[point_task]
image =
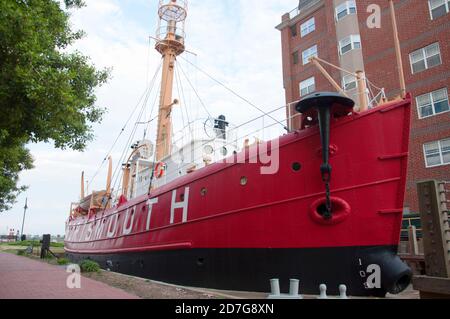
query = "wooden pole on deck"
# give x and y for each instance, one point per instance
(398, 52)
(82, 186)
(362, 91)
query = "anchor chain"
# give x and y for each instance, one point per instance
(324, 115)
(328, 106)
(326, 178)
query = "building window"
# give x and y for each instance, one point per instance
(349, 43)
(308, 86)
(294, 30)
(433, 103)
(309, 53)
(344, 9)
(438, 8)
(308, 27)
(437, 153)
(349, 82)
(295, 57)
(425, 58)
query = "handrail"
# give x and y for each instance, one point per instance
(301, 7)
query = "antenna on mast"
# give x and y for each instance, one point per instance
(169, 43)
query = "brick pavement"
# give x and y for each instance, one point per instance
(24, 278)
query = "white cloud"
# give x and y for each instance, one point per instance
(235, 41)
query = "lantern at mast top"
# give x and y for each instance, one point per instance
(170, 32)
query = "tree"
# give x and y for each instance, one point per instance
(47, 94)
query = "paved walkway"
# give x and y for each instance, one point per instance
(24, 278)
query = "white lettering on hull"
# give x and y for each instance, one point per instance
(89, 232)
(99, 229)
(127, 229)
(179, 205)
(95, 232)
(150, 204)
(112, 231)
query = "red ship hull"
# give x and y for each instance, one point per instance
(214, 229)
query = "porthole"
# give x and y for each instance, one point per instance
(208, 149)
(244, 180)
(203, 191)
(224, 151)
(296, 166)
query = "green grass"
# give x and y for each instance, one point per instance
(21, 253)
(63, 261)
(49, 257)
(89, 266)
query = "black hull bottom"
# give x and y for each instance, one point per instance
(252, 269)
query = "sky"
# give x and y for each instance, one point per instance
(235, 41)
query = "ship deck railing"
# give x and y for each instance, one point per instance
(262, 128)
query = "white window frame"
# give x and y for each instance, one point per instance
(307, 27)
(354, 38)
(433, 103)
(440, 154)
(346, 82)
(423, 50)
(306, 54)
(345, 6)
(446, 4)
(306, 84)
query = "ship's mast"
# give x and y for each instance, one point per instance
(170, 43)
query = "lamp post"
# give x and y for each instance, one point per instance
(24, 213)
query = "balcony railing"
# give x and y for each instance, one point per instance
(303, 5)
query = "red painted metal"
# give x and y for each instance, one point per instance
(272, 211)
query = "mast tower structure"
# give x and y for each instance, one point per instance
(170, 37)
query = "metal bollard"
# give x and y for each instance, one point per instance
(323, 292)
(294, 287)
(293, 290)
(275, 287)
(343, 292)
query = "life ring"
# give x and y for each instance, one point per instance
(160, 169)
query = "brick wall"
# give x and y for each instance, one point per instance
(416, 30)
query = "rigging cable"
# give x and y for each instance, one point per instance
(121, 132)
(116, 174)
(178, 78)
(235, 94)
(133, 132)
(179, 101)
(195, 91)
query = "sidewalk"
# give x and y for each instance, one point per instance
(24, 278)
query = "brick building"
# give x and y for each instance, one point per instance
(338, 31)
